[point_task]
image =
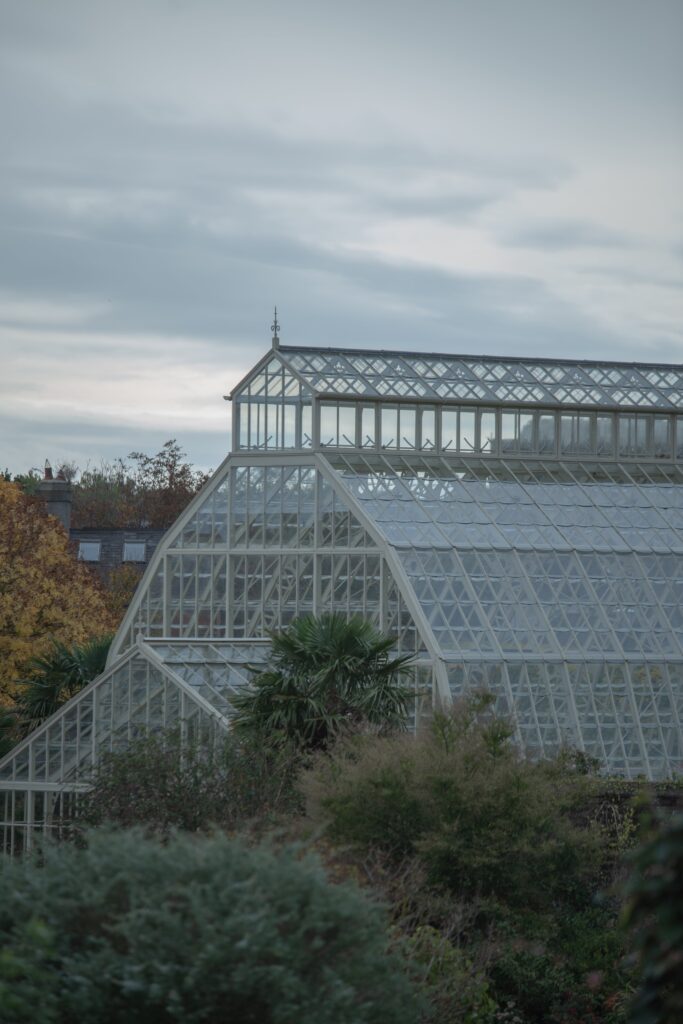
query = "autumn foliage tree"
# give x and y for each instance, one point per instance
(137, 492)
(45, 594)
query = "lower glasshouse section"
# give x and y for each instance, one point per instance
(147, 690)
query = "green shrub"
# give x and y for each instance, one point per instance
(199, 930)
(654, 913)
(481, 818)
(27, 991)
(160, 783)
(458, 992)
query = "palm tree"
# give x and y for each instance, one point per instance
(9, 730)
(57, 676)
(327, 675)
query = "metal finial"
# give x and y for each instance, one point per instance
(275, 327)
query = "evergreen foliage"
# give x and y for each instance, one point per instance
(192, 931)
(327, 675)
(654, 912)
(56, 676)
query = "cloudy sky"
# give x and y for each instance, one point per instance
(494, 176)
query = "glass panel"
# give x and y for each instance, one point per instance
(243, 423)
(526, 432)
(306, 426)
(428, 418)
(487, 430)
(389, 427)
(679, 437)
(509, 426)
(367, 427)
(449, 429)
(575, 434)
(605, 435)
(633, 438)
(328, 424)
(467, 437)
(347, 426)
(546, 434)
(289, 431)
(406, 435)
(662, 437)
(257, 412)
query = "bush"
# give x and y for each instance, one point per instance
(198, 930)
(481, 818)
(161, 784)
(458, 992)
(654, 912)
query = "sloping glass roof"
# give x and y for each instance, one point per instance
(138, 694)
(215, 670)
(523, 569)
(405, 375)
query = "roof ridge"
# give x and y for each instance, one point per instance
(329, 350)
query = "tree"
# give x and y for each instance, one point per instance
(327, 675)
(58, 675)
(147, 491)
(45, 593)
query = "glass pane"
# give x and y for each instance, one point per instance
(584, 446)
(546, 434)
(243, 424)
(605, 435)
(428, 428)
(389, 427)
(662, 437)
(508, 432)
(256, 424)
(487, 430)
(642, 442)
(347, 426)
(289, 431)
(328, 424)
(633, 434)
(526, 431)
(449, 429)
(467, 438)
(367, 430)
(306, 426)
(407, 428)
(273, 426)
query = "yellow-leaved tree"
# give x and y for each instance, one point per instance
(45, 593)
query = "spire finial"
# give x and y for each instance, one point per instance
(275, 327)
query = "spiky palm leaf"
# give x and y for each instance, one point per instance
(326, 675)
(58, 675)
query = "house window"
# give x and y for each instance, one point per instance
(134, 551)
(89, 550)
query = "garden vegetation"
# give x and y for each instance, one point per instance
(324, 865)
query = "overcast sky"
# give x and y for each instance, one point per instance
(494, 176)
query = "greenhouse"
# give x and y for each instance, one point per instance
(516, 525)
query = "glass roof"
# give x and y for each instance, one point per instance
(406, 375)
(215, 670)
(512, 568)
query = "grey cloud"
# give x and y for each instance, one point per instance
(559, 235)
